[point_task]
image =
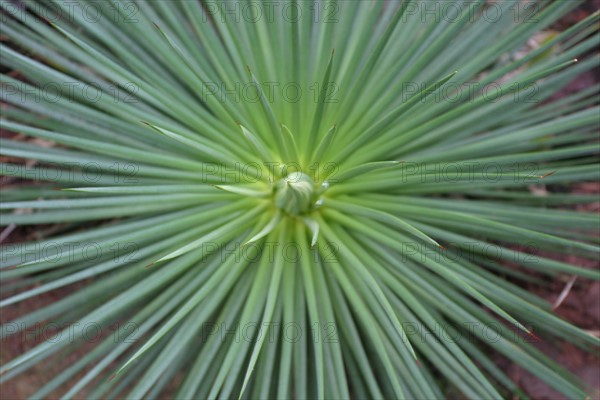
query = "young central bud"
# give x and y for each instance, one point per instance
(295, 194)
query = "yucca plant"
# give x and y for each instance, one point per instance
(328, 199)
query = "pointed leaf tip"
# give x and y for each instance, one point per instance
(219, 187)
(533, 335)
(548, 174)
(268, 228)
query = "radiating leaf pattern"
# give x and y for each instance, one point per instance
(295, 199)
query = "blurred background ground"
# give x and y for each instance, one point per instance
(581, 306)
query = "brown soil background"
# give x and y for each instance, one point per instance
(581, 306)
